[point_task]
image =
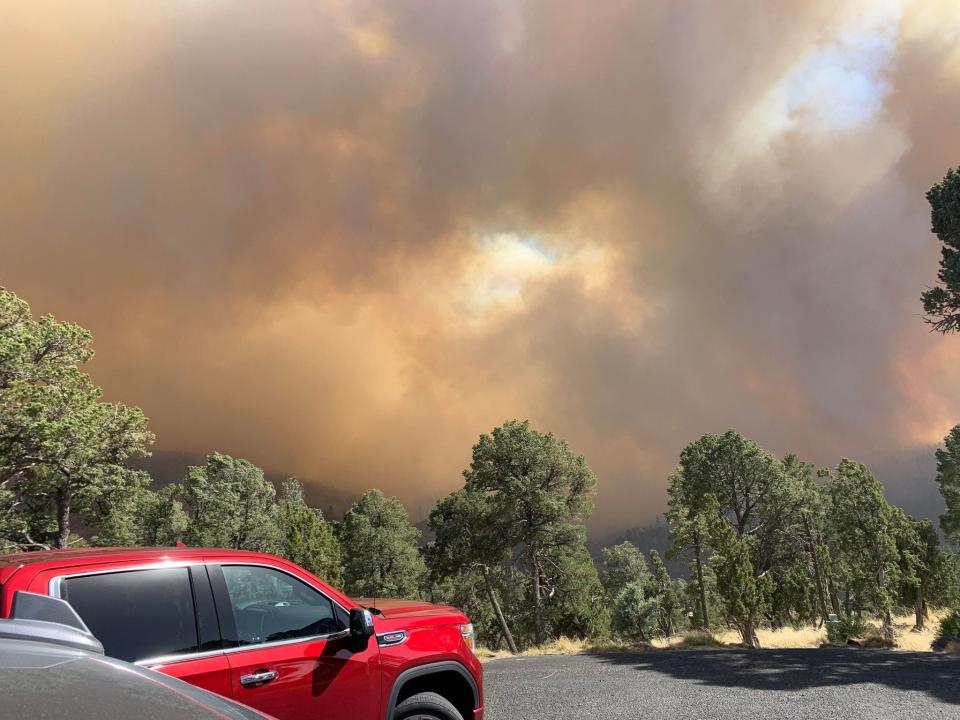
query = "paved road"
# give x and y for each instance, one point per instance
(834, 684)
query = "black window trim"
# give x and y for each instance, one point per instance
(222, 600)
(200, 576)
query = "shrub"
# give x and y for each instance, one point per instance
(634, 614)
(849, 627)
(698, 639)
(948, 632)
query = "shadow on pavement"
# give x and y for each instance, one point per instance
(786, 670)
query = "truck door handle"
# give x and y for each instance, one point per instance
(258, 678)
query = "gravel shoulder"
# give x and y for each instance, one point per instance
(721, 684)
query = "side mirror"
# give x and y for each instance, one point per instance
(361, 623)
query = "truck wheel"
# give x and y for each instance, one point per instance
(426, 706)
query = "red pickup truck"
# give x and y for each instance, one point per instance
(263, 631)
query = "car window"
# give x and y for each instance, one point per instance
(138, 614)
(271, 605)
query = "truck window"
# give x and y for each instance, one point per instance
(269, 605)
(138, 614)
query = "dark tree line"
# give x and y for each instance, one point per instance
(770, 541)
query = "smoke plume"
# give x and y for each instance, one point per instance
(343, 239)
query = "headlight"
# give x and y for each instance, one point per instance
(468, 638)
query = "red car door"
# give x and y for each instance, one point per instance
(293, 656)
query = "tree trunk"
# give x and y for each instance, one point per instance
(498, 612)
(704, 616)
(919, 607)
(834, 599)
(63, 516)
(817, 575)
(881, 579)
(539, 633)
(749, 633)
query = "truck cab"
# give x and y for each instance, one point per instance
(262, 631)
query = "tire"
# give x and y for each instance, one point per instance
(426, 706)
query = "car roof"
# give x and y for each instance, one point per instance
(80, 556)
(85, 686)
(33, 563)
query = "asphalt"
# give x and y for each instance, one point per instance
(834, 684)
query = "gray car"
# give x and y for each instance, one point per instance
(52, 667)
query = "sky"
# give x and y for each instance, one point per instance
(343, 239)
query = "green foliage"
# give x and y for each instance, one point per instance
(577, 606)
(521, 509)
(381, 557)
(843, 629)
(644, 604)
(802, 564)
(742, 476)
(745, 595)
(466, 535)
(942, 302)
(620, 565)
(306, 538)
(698, 639)
(468, 549)
(537, 492)
(669, 594)
(750, 491)
(949, 628)
(688, 534)
(948, 479)
(162, 518)
(62, 449)
(230, 505)
(864, 534)
(635, 614)
(691, 594)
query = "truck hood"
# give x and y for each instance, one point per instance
(394, 609)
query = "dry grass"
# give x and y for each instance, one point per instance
(908, 640)
(806, 637)
(563, 646)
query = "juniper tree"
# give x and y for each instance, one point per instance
(745, 594)
(864, 532)
(620, 565)
(230, 505)
(668, 593)
(381, 555)
(307, 539)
